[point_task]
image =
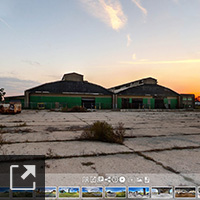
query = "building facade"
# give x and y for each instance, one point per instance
(72, 90)
(145, 93)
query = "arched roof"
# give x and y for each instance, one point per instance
(73, 87)
(149, 89)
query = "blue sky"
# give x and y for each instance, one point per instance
(92, 189)
(72, 189)
(123, 39)
(115, 189)
(139, 189)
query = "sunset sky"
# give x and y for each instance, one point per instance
(110, 42)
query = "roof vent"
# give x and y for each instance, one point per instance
(72, 77)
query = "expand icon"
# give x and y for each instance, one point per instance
(30, 169)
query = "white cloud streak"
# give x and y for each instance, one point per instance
(162, 62)
(138, 4)
(5, 23)
(108, 11)
(129, 40)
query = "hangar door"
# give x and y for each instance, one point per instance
(137, 103)
(159, 103)
(88, 103)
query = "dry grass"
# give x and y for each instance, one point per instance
(2, 141)
(74, 109)
(52, 129)
(102, 131)
(22, 125)
(2, 126)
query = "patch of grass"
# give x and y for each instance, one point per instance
(22, 125)
(102, 131)
(26, 130)
(87, 163)
(2, 141)
(74, 109)
(17, 121)
(2, 126)
(76, 128)
(52, 129)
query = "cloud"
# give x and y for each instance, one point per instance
(5, 23)
(30, 62)
(128, 40)
(108, 11)
(138, 4)
(141, 62)
(134, 56)
(15, 86)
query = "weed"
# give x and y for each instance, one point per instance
(1, 140)
(87, 163)
(74, 109)
(17, 121)
(26, 130)
(50, 153)
(52, 129)
(2, 126)
(22, 125)
(102, 131)
(47, 165)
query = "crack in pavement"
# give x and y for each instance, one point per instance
(168, 168)
(80, 119)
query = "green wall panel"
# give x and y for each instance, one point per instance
(103, 102)
(50, 101)
(145, 103)
(119, 103)
(152, 103)
(174, 103)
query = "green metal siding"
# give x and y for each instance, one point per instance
(50, 101)
(119, 103)
(103, 102)
(8, 100)
(145, 103)
(152, 103)
(174, 103)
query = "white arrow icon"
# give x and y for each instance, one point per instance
(30, 170)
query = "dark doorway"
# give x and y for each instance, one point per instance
(88, 103)
(159, 104)
(125, 103)
(137, 103)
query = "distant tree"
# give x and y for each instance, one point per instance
(197, 98)
(2, 94)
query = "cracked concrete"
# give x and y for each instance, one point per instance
(155, 142)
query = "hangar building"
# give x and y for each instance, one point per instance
(145, 93)
(72, 90)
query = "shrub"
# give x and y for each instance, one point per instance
(1, 140)
(74, 109)
(52, 129)
(2, 126)
(22, 125)
(102, 131)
